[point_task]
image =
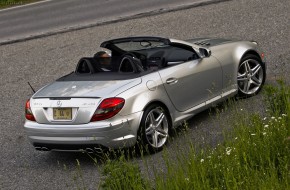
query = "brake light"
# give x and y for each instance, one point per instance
(28, 112)
(108, 108)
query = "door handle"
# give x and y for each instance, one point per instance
(171, 80)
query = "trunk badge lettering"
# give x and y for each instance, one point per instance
(89, 104)
(59, 103)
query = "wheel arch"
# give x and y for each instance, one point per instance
(255, 53)
(163, 105)
(244, 50)
(252, 52)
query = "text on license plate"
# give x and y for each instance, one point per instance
(62, 113)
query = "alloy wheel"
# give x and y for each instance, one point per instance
(156, 127)
(250, 76)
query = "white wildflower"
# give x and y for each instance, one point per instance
(228, 150)
(241, 109)
(186, 179)
(265, 118)
(264, 133)
(266, 126)
(236, 138)
(253, 134)
(272, 117)
(279, 117)
(284, 115)
(202, 160)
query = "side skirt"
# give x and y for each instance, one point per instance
(182, 116)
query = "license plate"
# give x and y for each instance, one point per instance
(62, 113)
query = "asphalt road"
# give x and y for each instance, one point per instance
(50, 16)
(41, 61)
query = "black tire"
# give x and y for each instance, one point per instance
(251, 76)
(160, 133)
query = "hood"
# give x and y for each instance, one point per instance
(208, 42)
(85, 88)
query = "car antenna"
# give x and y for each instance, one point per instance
(31, 87)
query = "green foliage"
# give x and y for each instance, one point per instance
(121, 174)
(11, 3)
(277, 98)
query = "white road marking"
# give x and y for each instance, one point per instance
(25, 5)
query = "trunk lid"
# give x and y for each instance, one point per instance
(83, 89)
(74, 102)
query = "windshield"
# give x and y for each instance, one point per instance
(133, 46)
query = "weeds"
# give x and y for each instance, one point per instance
(11, 3)
(277, 98)
(121, 174)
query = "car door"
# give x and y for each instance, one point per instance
(190, 83)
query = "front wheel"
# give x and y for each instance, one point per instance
(154, 128)
(251, 76)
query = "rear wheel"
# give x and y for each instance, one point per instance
(251, 76)
(154, 128)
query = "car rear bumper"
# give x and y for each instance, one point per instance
(122, 132)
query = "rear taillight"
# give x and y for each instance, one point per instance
(108, 108)
(28, 112)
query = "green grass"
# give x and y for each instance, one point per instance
(121, 174)
(254, 155)
(12, 3)
(256, 158)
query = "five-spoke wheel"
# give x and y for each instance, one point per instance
(155, 127)
(251, 76)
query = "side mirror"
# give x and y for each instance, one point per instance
(204, 52)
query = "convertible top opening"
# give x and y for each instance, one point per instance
(131, 58)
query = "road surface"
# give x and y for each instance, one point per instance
(51, 16)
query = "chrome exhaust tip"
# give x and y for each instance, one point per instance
(44, 149)
(38, 148)
(41, 148)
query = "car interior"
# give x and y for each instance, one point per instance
(139, 60)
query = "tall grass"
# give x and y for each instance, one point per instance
(123, 175)
(254, 156)
(11, 3)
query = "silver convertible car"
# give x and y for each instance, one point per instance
(147, 87)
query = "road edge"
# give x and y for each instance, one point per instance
(121, 19)
(24, 5)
